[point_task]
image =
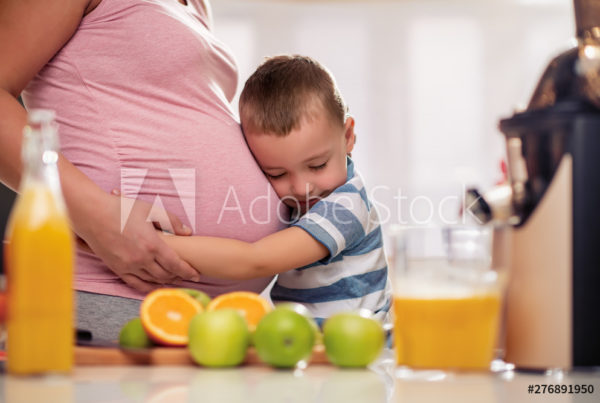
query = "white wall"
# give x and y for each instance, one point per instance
(426, 80)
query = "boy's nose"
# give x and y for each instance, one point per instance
(301, 188)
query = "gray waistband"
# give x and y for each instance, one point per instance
(104, 315)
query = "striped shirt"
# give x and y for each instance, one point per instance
(355, 273)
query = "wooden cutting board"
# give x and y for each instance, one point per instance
(89, 356)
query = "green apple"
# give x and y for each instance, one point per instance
(283, 338)
(199, 296)
(218, 338)
(133, 335)
(352, 339)
(302, 310)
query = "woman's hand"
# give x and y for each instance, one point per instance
(125, 238)
(31, 33)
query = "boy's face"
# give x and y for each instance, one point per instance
(307, 164)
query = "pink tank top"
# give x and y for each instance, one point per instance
(142, 93)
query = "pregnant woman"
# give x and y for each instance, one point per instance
(142, 92)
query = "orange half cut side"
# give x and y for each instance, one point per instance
(166, 314)
(251, 305)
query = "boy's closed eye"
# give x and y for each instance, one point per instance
(270, 176)
(316, 168)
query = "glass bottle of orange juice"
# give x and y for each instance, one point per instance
(39, 259)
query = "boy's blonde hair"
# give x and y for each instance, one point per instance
(286, 89)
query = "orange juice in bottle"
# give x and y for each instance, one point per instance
(39, 259)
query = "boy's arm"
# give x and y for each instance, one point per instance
(229, 258)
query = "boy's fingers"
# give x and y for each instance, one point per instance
(178, 227)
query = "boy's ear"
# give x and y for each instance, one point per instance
(349, 134)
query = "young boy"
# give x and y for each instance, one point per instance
(331, 258)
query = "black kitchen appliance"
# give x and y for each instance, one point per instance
(553, 200)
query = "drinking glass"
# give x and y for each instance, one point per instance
(448, 287)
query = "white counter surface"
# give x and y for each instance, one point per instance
(317, 383)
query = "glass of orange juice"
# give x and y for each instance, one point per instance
(448, 286)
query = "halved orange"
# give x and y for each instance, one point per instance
(166, 314)
(251, 305)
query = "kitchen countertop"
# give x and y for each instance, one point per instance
(382, 382)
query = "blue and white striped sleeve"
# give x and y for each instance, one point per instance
(339, 221)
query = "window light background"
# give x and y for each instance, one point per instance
(426, 80)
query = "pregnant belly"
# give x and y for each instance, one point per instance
(211, 182)
(202, 172)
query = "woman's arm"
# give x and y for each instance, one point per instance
(31, 33)
(229, 258)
